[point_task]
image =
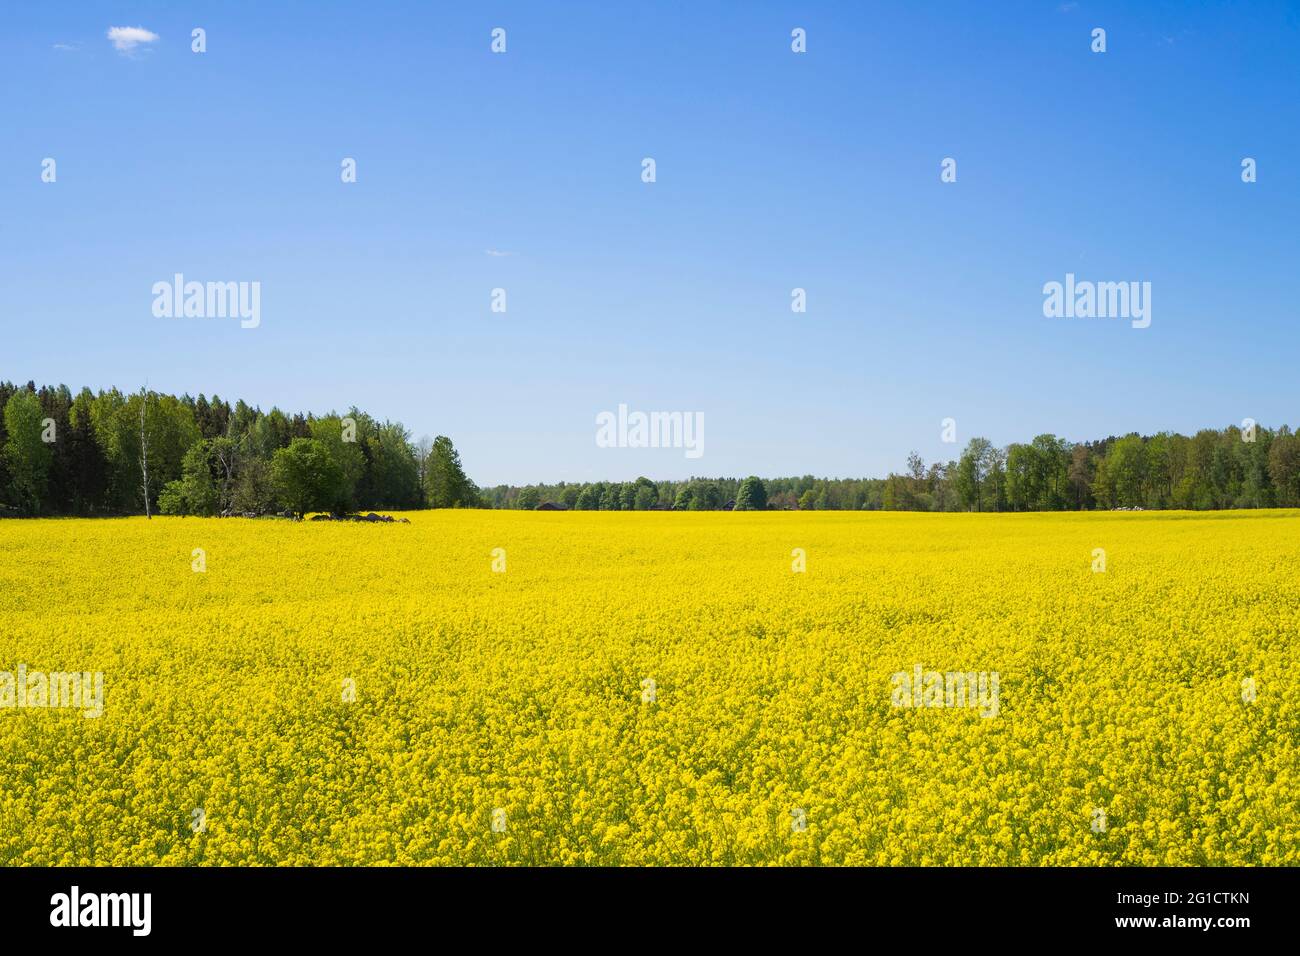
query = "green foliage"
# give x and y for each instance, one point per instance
(645, 494)
(445, 484)
(195, 492)
(86, 485)
(752, 495)
(612, 499)
(1284, 470)
(307, 476)
(392, 473)
(1126, 471)
(204, 456)
(171, 500)
(344, 443)
(27, 457)
(707, 496)
(170, 428)
(254, 490)
(207, 456)
(974, 470)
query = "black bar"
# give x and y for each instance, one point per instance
(331, 906)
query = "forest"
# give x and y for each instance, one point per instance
(110, 453)
(1213, 469)
(115, 453)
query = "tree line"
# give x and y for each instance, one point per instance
(1213, 469)
(110, 453)
(114, 453)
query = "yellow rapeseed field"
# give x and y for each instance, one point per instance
(654, 688)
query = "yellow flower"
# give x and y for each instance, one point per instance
(652, 688)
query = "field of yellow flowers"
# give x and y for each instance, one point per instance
(655, 688)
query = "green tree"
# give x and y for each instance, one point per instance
(254, 490)
(752, 495)
(1024, 488)
(612, 499)
(1158, 486)
(1051, 471)
(306, 476)
(344, 441)
(27, 456)
(896, 495)
(170, 429)
(1126, 469)
(1284, 469)
(973, 469)
(445, 483)
(196, 492)
(1103, 488)
(87, 483)
(393, 473)
(647, 494)
(705, 496)
(1079, 476)
(627, 496)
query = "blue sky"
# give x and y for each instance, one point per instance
(775, 170)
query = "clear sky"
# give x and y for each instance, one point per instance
(775, 170)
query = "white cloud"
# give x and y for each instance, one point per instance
(67, 47)
(498, 253)
(126, 39)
